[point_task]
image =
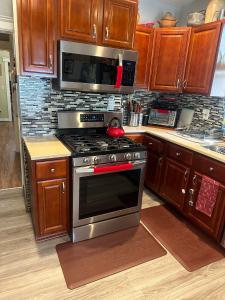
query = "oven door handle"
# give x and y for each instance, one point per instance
(109, 168)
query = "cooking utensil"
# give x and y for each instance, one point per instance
(115, 130)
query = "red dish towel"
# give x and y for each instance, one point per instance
(207, 196)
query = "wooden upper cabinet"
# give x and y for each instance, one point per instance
(169, 58)
(79, 20)
(37, 36)
(119, 23)
(201, 58)
(143, 44)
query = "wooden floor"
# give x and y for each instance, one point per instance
(10, 170)
(31, 271)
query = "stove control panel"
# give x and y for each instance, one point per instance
(109, 159)
(91, 117)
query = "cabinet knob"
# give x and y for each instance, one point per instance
(178, 154)
(211, 169)
(52, 170)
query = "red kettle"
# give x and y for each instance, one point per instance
(115, 131)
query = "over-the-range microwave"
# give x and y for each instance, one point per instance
(91, 68)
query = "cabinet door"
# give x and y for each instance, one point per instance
(143, 45)
(212, 225)
(119, 22)
(79, 20)
(37, 36)
(174, 183)
(201, 58)
(169, 59)
(52, 206)
(153, 171)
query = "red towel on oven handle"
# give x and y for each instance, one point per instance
(207, 196)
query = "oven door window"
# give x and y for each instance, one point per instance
(105, 193)
(95, 70)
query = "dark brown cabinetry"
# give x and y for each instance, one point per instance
(174, 182)
(201, 58)
(169, 58)
(37, 27)
(119, 22)
(175, 174)
(50, 197)
(79, 20)
(143, 45)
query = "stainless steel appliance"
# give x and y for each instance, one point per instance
(164, 112)
(108, 174)
(86, 67)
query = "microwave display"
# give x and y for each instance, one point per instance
(95, 70)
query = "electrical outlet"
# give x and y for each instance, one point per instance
(205, 113)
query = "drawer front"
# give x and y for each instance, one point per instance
(210, 168)
(180, 154)
(51, 169)
(154, 145)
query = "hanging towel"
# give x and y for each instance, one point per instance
(207, 196)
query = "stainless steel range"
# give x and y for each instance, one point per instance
(108, 174)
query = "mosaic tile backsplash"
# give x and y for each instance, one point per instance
(39, 103)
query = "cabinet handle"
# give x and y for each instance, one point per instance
(107, 32)
(160, 161)
(191, 193)
(149, 144)
(50, 61)
(178, 83)
(94, 31)
(178, 154)
(63, 187)
(52, 170)
(194, 179)
(185, 175)
(211, 169)
(185, 84)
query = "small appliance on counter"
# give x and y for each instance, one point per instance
(164, 112)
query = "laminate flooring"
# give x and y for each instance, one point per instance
(30, 270)
(10, 169)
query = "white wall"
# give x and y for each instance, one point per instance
(152, 10)
(6, 8)
(195, 6)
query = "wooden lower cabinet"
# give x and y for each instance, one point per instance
(174, 182)
(153, 171)
(52, 206)
(212, 225)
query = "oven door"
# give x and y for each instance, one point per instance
(104, 192)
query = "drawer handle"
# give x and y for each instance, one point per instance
(178, 154)
(211, 169)
(52, 170)
(63, 187)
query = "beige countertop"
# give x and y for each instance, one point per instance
(165, 134)
(45, 147)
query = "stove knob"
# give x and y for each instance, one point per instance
(127, 156)
(96, 160)
(85, 160)
(112, 157)
(137, 155)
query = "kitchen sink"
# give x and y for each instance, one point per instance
(216, 148)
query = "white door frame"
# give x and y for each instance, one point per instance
(6, 62)
(9, 25)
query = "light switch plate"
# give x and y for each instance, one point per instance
(205, 113)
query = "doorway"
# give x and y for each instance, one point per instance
(10, 160)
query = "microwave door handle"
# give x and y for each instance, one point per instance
(119, 73)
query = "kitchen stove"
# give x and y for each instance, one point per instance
(108, 174)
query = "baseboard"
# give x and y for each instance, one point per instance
(17, 191)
